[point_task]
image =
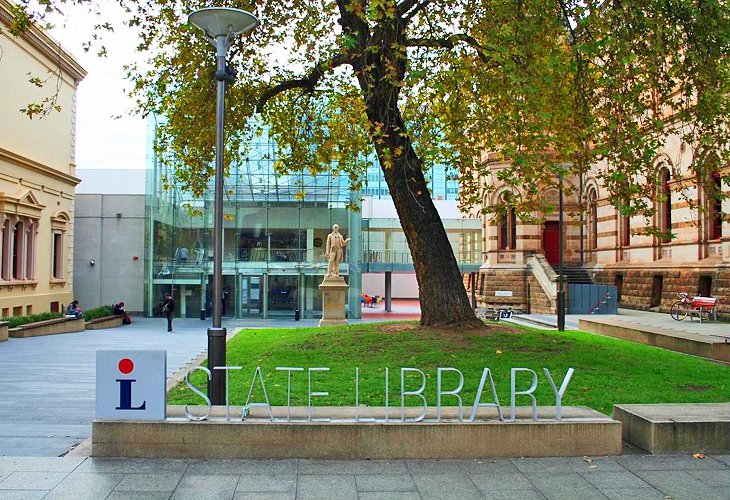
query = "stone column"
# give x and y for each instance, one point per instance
(334, 292)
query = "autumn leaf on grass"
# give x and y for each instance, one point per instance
(498, 351)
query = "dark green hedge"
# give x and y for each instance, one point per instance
(31, 318)
(98, 312)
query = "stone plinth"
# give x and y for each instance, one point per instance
(3, 332)
(334, 292)
(676, 428)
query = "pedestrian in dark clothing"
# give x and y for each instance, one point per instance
(168, 310)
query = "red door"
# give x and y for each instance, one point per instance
(551, 243)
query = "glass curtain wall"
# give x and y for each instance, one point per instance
(275, 229)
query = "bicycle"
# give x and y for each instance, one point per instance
(693, 306)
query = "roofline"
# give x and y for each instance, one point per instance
(45, 44)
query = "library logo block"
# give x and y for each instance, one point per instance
(130, 385)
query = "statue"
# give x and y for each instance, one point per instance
(333, 252)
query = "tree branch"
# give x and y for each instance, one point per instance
(449, 43)
(307, 83)
(406, 5)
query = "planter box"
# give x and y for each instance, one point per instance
(104, 322)
(48, 327)
(3, 332)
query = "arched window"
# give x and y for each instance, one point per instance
(592, 219)
(508, 227)
(664, 205)
(714, 201)
(625, 230)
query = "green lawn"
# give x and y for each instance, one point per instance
(607, 371)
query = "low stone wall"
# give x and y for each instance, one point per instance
(104, 322)
(590, 433)
(702, 346)
(3, 331)
(48, 327)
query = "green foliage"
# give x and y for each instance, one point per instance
(98, 312)
(31, 318)
(607, 371)
(546, 88)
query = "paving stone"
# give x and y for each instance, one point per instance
(139, 495)
(267, 482)
(32, 480)
(264, 495)
(724, 459)
(565, 486)
(326, 487)
(134, 465)
(352, 467)
(723, 493)
(603, 480)
(566, 464)
(500, 482)
(385, 482)
(149, 482)
(435, 466)
(389, 495)
(634, 494)
(446, 487)
(488, 466)
(717, 478)
(236, 467)
(85, 486)
(209, 487)
(679, 485)
(668, 462)
(531, 494)
(38, 464)
(23, 494)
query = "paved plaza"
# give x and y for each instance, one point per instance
(628, 477)
(47, 405)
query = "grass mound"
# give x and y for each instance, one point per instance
(607, 371)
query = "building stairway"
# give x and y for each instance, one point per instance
(575, 275)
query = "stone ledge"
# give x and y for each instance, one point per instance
(590, 434)
(676, 428)
(48, 327)
(104, 322)
(689, 343)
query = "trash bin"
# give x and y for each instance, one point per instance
(296, 315)
(202, 314)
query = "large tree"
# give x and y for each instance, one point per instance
(548, 87)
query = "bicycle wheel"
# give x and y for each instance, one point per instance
(679, 311)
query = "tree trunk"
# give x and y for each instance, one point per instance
(443, 297)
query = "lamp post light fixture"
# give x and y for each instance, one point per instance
(220, 25)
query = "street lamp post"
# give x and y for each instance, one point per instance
(561, 290)
(220, 24)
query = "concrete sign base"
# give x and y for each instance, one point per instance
(582, 431)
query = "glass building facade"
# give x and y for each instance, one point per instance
(441, 184)
(275, 229)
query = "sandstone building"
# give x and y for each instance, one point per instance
(37, 172)
(609, 248)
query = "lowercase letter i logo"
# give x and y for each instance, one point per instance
(126, 366)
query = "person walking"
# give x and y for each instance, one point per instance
(168, 310)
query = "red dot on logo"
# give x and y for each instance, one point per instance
(126, 365)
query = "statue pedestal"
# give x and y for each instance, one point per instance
(334, 291)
